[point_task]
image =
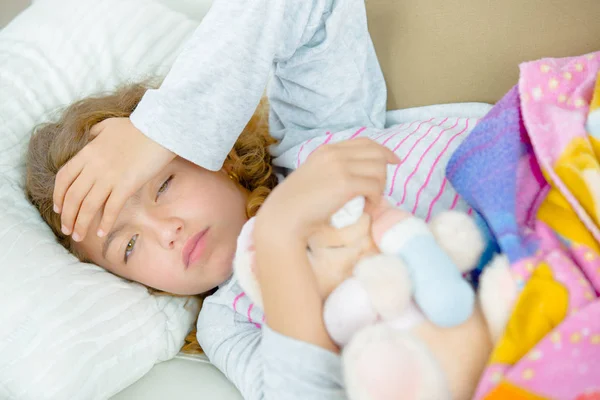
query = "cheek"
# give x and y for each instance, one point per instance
(158, 270)
(217, 196)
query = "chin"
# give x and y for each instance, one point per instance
(224, 272)
(222, 263)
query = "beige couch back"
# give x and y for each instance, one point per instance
(442, 51)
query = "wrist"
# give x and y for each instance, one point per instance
(277, 233)
(161, 153)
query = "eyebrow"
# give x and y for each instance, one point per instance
(109, 239)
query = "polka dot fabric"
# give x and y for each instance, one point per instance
(543, 205)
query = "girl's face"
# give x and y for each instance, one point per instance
(178, 233)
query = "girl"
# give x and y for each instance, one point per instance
(177, 194)
(178, 234)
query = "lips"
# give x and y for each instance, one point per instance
(194, 248)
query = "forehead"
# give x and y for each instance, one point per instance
(91, 246)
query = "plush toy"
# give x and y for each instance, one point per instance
(397, 302)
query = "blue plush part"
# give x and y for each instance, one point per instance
(440, 291)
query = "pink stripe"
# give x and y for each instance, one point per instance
(250, 316)
(436, 161)
(389, 132)
(410, 151)
(441, 191)
(327, 139)
(239, 296)
(407, 128)
(414, 171)
(436, 198)
(300, 151)
(398, 132)
(358, 132)
(470, 211)
(455, 201)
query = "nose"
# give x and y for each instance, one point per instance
(167, 230)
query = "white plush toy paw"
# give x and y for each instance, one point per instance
(497, 294)
(349, 213)
(341, 324)
(387, 282)
(458, 235)
(381, 363)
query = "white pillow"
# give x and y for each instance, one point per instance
(70, 330)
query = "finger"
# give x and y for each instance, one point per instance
(391, 157)
(368, 149)
(92, 203)
(368, 187)
(97, 128)
(361, 141)
(371, 170)
(112, 208)
(63, 181)
(73, 199)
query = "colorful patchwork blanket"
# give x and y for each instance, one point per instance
(531, 170)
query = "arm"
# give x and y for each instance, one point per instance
(216, 82)
(292, 290)
(325, 65)
(325, 72)
(296, 209)
(265, 365)
(333, 82)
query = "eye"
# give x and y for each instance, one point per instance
(129, 248)
(163, 188)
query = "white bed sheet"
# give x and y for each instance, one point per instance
(184, 377)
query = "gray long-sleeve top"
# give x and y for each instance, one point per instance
(324, 79)
(318, 55)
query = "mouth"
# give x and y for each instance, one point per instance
(194, 247)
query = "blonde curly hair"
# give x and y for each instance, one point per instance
(53, 144)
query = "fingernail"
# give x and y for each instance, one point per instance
(65, 230)
(76, 237)
(56, 209)
(100, 233)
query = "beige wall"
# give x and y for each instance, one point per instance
(440, 51)
(10, 8)
(443, 51)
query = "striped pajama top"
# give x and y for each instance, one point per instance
(324, 85)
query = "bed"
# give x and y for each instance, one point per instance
(434, 52)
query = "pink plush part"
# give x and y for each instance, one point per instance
(387, 218)
(382, 363)
(388, 372)
(347, 310)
